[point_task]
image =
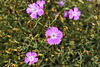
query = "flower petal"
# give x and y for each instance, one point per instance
(38, 2)
(26, 60)
(59, 34)
(31, 62)
(70, 16)
(78, 13)
(61, 3)
(35, 59)
(70, 11)
(28, 10)
(33, 15)
(40, 12)
(76, 17)
(54, 29)
(32, 5)
(34, 54)
(65, 14)
(28, 54)
(48, 33)
(41, 3)
(50, 41)
(75, 9)
(57, 41)
(55, 14)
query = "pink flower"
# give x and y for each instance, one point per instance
(35, 9)
(74, 13)
(54, 34)
(55, 14)
(65, 14)
(41, 3)
(30, 58)
(89, 0)
(61, 3)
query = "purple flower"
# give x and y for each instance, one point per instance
(65, 14)
(89, 0)
(30, 58)
(87, 9)
(54, 34)
(61, 3)
(74, 13)
(33, 9)
(41, 3)
(55, 14)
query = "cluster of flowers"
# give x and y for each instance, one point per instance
(53, 34)
(73, 13)
(35, 8)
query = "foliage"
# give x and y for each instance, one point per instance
(19, 34)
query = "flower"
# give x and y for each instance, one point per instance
(61, 3)
(35, 9)
(55, 14)
(41, 3)
(54, 34)
(89, 0)
(65, 14)
(74, 13)
(30, 58)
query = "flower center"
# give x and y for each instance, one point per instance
(74, 13)
(31, 58)
(53, 36)
(34, 10)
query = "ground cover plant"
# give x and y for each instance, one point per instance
(49, 33)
